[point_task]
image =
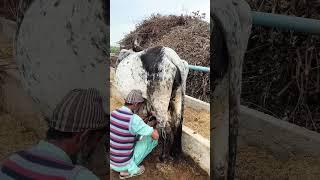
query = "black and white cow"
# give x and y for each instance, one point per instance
(161, 76)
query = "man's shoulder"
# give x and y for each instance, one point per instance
(84, 173)
(137, 117)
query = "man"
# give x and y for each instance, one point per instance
(126, 152)
(77, 122)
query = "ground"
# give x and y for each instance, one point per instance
(183, 169)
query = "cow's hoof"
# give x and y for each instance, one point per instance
(162, 158)
(173, 154)
(171, 158)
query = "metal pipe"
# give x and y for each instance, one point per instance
(286, 22)
(199, 68)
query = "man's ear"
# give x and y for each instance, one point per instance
(77, 137)
(84, 136)
(81, 137)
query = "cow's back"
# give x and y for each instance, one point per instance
(130, 75)
(140, 70)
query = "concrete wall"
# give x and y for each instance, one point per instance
(278, 136)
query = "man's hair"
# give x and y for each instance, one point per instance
(127, 104)
(53, 134)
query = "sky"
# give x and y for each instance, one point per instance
(125, 14)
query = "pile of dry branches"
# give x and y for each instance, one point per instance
(281, 74)
(9, 9)
(188, 35)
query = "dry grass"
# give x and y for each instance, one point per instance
(9, 9)
(197, 120)
(281, 73)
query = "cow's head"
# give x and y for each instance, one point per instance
(123, 54)
(136, 47)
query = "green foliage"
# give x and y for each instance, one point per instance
(114, 49)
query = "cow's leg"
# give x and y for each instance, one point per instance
(177, 103)
(159, 93)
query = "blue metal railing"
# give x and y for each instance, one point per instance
(199, 68)
(298, 24)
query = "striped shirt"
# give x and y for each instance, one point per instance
(139, 127)
(43, 161)
(121, 140)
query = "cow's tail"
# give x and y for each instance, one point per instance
(181, 64)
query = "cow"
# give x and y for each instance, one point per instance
(161, 76)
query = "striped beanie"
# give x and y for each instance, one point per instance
(79, 110)
(135, 96)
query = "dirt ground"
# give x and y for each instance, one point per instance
(183, 169)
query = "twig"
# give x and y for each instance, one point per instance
(256, 48)
(253, 77)
(262, 108)
(310, 117)
(285, 88)
(261, 4)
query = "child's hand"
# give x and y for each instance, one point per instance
(142, 116)
(155, 134)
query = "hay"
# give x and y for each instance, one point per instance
(188, 35)
(9, 9)
(197, 120)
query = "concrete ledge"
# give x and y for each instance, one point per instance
(197, 147)
(196, 103)
(280, 137)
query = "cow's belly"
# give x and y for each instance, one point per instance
(131, 75)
